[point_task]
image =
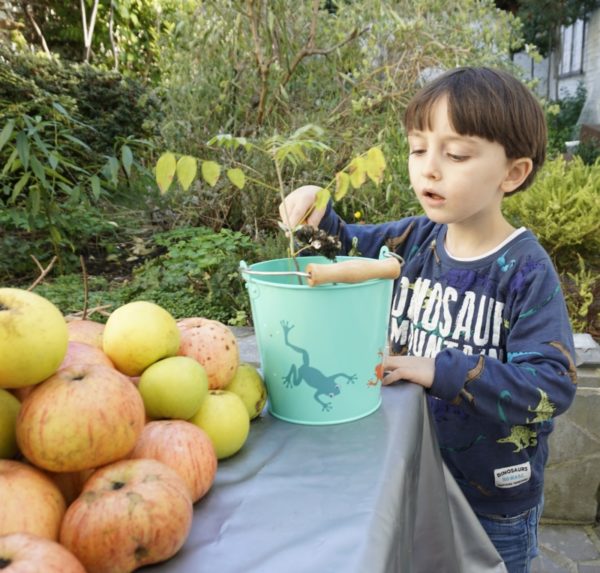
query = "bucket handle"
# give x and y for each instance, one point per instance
(353, 271)
(356, 271)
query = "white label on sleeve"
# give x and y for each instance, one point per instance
(512, 476)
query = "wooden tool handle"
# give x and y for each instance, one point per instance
(353, 271)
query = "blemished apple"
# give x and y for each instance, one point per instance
(184, 447)
(131, 513)
(213, 344)
(139, 334)
(250, 387)
(30, 501)
(26, 553)
(33, 338)
(80, 353)
(173, 387)
(80, 418)
(85, 330)
(9, 409)
(223, 416)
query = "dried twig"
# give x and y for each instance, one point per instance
(85, 287)
(43, 271)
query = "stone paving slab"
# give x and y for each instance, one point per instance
(568, 549)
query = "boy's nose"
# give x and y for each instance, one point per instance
(431, 168)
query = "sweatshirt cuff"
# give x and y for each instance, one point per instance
(451, 367)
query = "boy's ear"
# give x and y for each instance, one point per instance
(517, 172)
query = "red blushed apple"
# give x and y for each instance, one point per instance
(182, 446)
(80, 418)
(30, 502)
(26, 553)
(80, 353)
(88, 331)
(131, 513)
(212, 344)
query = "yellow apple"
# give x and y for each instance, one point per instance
(248, 384)
(139, 334)
(9, 409)
(173, 387)
(223, 416)
(33, 338)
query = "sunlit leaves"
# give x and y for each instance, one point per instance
(322, 198)
(211, 171)
(166, 167)
(375, 164)
(342, 183)
(186, 170)
(358, 172)
(237, 177)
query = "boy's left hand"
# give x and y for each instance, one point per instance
(414, 369)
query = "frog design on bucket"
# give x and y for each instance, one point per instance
(323, 385)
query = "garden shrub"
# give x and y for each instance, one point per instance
(563, 209)
(562, 117)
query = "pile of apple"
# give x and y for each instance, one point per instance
(110, 433)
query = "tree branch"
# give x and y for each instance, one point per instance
(43, 271)
(28, 10)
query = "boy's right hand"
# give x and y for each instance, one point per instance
(297, 208)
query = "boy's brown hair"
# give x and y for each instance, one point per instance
(486, 103)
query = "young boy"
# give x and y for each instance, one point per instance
(478, 318)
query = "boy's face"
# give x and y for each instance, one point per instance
(456, 178)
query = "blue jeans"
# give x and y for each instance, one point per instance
(514, 537)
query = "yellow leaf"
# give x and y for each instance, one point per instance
(322, 198)
(211, 171)
(237, 177)
(375, 164)
(358, 173)
(342, 181)
(165, 171)
(187, 168)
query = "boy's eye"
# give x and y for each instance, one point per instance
(456, 157)
(417, 151)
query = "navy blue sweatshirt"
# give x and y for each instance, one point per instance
(498, 328)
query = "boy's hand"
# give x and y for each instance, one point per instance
(414, 369)
(294, 209)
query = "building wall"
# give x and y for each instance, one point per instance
(546, 85)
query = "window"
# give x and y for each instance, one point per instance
(573, 42)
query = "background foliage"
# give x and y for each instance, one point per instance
(169, 75)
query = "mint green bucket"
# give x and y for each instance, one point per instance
(321, 347)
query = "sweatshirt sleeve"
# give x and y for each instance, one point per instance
(536, 379)
(364, 240)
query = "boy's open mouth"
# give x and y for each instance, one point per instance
(433, 196)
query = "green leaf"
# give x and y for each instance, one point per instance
(38, 170)
(8, 166)
(187, 167)
(6, 132)
(23, 148)
(96, 188)
(113, 169)
(55, 234)
(34, 199)
(342, 182)
(211, 171)
(127, 159)
(165, 171)
(77, 141)
(53, 159)
(322, 198)
(19, 186)
(237, 177)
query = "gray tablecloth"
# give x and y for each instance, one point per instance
(370, 496)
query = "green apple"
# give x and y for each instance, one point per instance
(9, 409)
(248, 384)
(223, 416)
(33, 338)
(139, 334)
(173, 387)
